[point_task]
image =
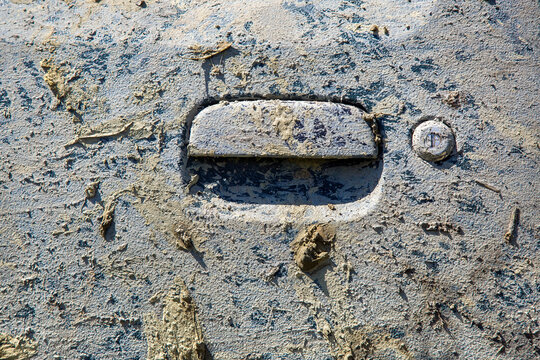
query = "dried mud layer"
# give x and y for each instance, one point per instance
(115, 245)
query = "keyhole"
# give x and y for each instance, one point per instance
(433, 139)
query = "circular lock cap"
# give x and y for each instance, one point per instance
(433, 140)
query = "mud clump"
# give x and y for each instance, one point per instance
(178, 336)
(440, 226)
(55, 79)
(312, 247)
(453, 99)
(107, 218)
(65, 84)
(91, 190)
(183, 231)
(371, 119)
(14, 348)
(372, 344)
(200, 53)
(510, 235)
(284, 121)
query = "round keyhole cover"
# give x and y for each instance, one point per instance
(433, 140)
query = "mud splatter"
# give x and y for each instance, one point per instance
(312, 247)
(441, 226)
(91, 189)
(107, 218)
(200, 53)
(178, 336)
(453, 99)
(284, 121)
(55, 79)
(156, 201)
(135, 129)
(510, 235)
(371, 119)
(16, 348)
(369, 343)
(65, 83)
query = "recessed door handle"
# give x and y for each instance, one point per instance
(282, 129)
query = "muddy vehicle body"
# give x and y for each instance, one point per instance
(269, 179)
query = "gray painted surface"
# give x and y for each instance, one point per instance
(99, 95)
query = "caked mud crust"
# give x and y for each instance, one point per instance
(111, 249)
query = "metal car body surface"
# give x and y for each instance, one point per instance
(193, 179)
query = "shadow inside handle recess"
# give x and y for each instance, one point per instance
(284, 181)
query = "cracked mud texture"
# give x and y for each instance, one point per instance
(438, 265)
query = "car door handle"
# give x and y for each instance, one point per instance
(282, 129)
